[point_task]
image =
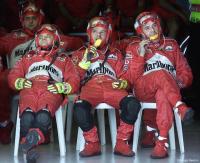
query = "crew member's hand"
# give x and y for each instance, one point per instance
(85, 63)
(120, 84)
(60, 87)
(89, 53)
(21, 83)
(142, 49)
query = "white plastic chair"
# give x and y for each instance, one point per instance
(101, 121)
(69, 115)
(60, 128)
(171, 131)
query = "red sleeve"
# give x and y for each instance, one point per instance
(16, 72)
(71, 76)
(118, 63)
(76, 58)
(123, 44)
(183, 71)
(134, 64)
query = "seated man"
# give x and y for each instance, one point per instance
(43, 77)
(100, 68)
(13, 46)
(158, 70)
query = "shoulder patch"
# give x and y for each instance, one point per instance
(62, 59)
(62, 43)
(169, 48)
(18, 33)
(128, 56)
(112, 56)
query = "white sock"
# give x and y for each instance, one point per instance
(150, 128)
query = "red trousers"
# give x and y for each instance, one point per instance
(159, 87)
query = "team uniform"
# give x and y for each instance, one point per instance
(100, 74)
(43, 76)
(35, 68)
(158, 77)
(102, 78)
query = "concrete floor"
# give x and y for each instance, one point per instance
(50, 153)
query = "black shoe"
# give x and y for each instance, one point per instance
(32, 139)
(32, 156)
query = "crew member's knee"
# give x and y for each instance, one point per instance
(43, 120)
(26, 121)
(83, 115)
(130, 108)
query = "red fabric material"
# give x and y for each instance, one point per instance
(99, 88)
(70, 43)
(91, 149)
(149, 118)
(160, 151)
(124, 131)
(14, 45)
(152, 84)
(123, 148)
(123, 44)
(9, 42)
(91, 135)
(148, 139)
(38, 97)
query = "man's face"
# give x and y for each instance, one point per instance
(31, 22)
(98, 33)
(45, 39)
(151, 30)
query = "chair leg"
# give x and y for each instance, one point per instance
(69, 120)
(179, 131)
(172, 138)
(80, 140)
(17, 135)
(137, 131)
(101, 122)
(113, 126)
(60, 128)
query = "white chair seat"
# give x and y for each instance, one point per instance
(101, 121)
(171, 131)
(60, 129)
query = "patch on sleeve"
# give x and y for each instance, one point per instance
(169, 48)
(128, 55)
(112, 56)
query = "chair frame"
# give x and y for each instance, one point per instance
(60, 129)
(178, 122)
